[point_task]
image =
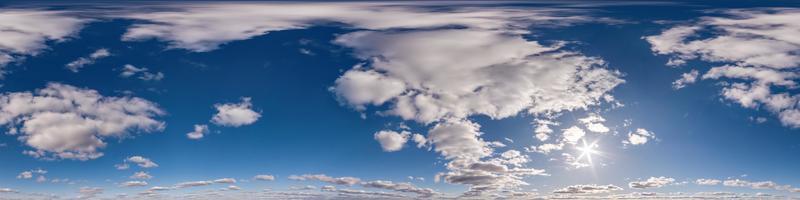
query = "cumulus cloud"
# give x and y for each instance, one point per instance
(76, 65)
(759, 51)
(235, 114)
(573, 134)
(588, 189)
(639, 137)
(200, 130)
(141, 161)
(392, 141)
(26, 32)
(67, 122)
(39, 173)
(652, 182)
(593, 123)
(686, 79)
(143, 73)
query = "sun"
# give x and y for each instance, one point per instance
(587, 150)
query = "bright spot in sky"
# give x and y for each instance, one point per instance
(587, 150)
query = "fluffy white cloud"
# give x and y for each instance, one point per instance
(141, 161)
(26, 32)
(760, 48)
(573, 134)
(324, 178)
(129, 70)
(76, 65)
(703, 181)
(757, 185)
(39, 173)
(264, 177)
(200, 130)
(235, 114)
(458, 139)
(593, 123)
(639, 136)
(392, 141)
(686, 79)
(141, 175)
(652, 182)
(463, 72)
(588, 189)
(63, 121)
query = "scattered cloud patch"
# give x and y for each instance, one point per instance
(76, 65)
(200, 130)
(235, 114)
(639, 137)
(652, 182)
(392, 141)
(129, 70)
(588, 189)
(67, 122)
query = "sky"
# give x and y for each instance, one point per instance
(400, 100)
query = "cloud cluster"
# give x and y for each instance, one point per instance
(639, 137)
(759, 50)
(129, 70)
(327, 179)
(652, 182)
(67, 122)
(26, 32)
(588, 189)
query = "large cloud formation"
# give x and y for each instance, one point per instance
(67, 122)
(25, 32)
(437, 67)
(759, 54)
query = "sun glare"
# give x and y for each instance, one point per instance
(587, 150)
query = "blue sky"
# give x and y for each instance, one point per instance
(398, 100)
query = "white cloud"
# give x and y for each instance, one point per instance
(543, 130)
(593, 123)
(203, 27)
(39, 173)
(686, 79)
(141, 161)
(458, 139)
(400, 187)
(76, 65)
(7, 190)
(89, 192)
(129, 70)
(200, 130)
(546, 148)
(235, 114)
(141, 175)
(759, 49)
(652, 182)
(588, 189)
(134, 184)
(639, 137)
(324, 178)
(225, 180)
(193, 184)
(573, 134)
(264, 177)
(63, 121)
(26, 32)
(392, 141)
(420, 140)
(707, 181)
(492, 73)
